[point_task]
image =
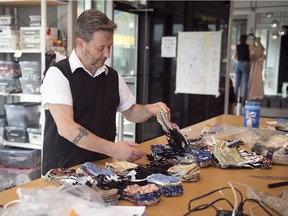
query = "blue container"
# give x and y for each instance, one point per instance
(252, 114)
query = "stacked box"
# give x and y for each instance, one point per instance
(23, 114)
(19, 157)
(9, 42)
(9, 85)
(35, 21)
(30, 69)
(31, 77)
(30, 37)
(16, 134)
(8, 36)
(6, 20)
(20, 116)
(17, 176)
(34, 134)
(30, 86)
(19, 165)
(9, 69)
(9, 76)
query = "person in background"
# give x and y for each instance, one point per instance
(242, 70)
(81, 96)
(255, 84)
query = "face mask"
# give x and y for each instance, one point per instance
(250, 40)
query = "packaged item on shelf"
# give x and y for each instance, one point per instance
(23, 114)
(34, 134)
(6, 20)
(8, 30)
(16, 134)
(30, 69)
(35, 20)
(9, 85)
(19, 157)
(9, 69)
(9, 42)
(30, 86)
(20, 176)
(30, 37)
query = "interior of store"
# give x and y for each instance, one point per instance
(137, 50)
(35, 34)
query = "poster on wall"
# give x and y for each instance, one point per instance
(198, 63)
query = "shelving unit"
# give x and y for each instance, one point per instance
(24, 3)
(39, 53)
(22, 145)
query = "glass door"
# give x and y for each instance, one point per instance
(124, 61)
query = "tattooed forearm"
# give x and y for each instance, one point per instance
(82, 132)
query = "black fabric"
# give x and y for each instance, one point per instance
(95, 102)
(243, 52)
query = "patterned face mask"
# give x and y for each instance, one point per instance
(175, 138)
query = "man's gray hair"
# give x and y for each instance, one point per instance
(91, 21)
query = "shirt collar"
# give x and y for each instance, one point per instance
(75, 63)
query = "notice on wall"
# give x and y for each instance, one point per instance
(198, 62)
(168, 47)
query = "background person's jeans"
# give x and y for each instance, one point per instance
(242, 72)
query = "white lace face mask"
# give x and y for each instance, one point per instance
(250, 40)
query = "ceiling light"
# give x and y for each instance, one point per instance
(282, 32)
(268, 15)
(275, 35)
(274, 23)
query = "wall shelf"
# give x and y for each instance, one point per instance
(22, 145)
(34, 97)
(23, 51)
(24, 3)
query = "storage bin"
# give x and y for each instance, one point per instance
(9, 42)
(8, 31)
(35, 21)
(6, 20)
(29, 31)
(35, 18)
(9, 69)
(20, 176)
(16, 134)
(30, 37)
(3, 123)
(23, 114)
(19, 157)
(275, 102)
(8, 85)
(285, 103)
(30, 86)
(30, 46)
(30, 69)
(34, 134)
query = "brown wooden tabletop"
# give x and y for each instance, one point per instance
(211, 178)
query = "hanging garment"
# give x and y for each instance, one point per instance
(255, 84)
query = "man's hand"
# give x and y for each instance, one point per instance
(125, 151)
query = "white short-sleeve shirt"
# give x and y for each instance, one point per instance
(55, 88)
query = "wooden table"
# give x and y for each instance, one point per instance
(211, 178)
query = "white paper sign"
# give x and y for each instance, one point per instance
(168, 47)
(198, 63)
